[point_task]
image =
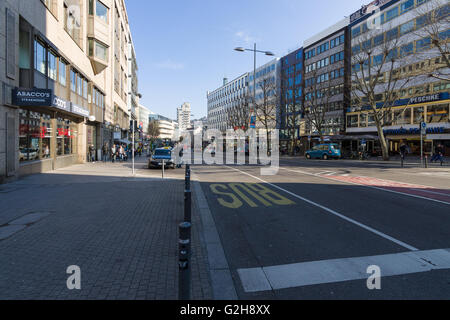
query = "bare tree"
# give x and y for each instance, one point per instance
(432, 24)
(266, 107)
(153, 129)
(318, 99)
(376, 80)
(238, 116)
(291, 104)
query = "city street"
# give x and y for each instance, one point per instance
(311, 231)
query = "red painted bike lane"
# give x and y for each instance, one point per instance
(430, 193)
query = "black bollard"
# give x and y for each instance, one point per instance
(187, 205)
(184, 272)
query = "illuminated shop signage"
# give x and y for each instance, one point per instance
(31, 97)
(80, 110)
(416, 131)
(61, 104)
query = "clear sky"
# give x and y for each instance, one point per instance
(185, 47)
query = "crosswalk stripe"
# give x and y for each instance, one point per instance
(340, 270)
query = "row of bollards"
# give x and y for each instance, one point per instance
(184, 242)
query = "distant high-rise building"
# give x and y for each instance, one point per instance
(184, 116)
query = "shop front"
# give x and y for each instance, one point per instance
(405, 120)
(49, 131)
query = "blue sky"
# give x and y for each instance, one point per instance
(185, 48)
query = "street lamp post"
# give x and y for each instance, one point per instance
(267, 53)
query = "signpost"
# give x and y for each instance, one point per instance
(423, 131)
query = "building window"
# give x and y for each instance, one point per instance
(406, 6)
(62, 72)
(437, 113)
(98, 50)
(39, 57)
(73, 80)
(423, 44)
(52, 66)
(391, 14)
(101, 11)
(34, 135)
(407, 27)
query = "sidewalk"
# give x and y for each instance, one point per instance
(122, 231)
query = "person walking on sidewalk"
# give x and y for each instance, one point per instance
(439, 154)
(113, 153)
(92, 153)
(403, 150)
(105, 152)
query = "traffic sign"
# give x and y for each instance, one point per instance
(363, 142)
(423, 128)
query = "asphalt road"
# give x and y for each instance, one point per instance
(312, 230)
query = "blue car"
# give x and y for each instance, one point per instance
(324, 151)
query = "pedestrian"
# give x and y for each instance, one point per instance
(105, 152)
(92, 153)
(403, 150)
(438, 154)
(113, 153)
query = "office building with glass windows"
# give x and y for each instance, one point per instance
(326, 85)
(421, 88)
(222, 101)
(64, 82)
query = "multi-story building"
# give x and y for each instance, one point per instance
(418, 97)
(167, 127)
(291, 101)
(184, 116)
(142, 115)
(58, 66)
(268, 88)
(221, 101)
(326, 86)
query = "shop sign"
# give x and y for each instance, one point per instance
(61, 104)
(427, 98)
(31, 97)
(415, 131)
(80, 110)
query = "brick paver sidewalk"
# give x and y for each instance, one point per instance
(122, 231)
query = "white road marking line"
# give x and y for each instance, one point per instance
(381, 234)
(340, 270)
(373, 187)
(433, 192)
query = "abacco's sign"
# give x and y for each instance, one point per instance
(31, 97)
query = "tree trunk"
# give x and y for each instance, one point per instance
(382, 138)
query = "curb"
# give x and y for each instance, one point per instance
(222, 283)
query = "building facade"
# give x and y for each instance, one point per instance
(167, 127)
(326, 86)
(419, 97)
(222, 100)
(58, 102)
(184, 116)
(265, 109)
(291, 100)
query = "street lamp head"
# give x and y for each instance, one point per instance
(240, 49)
(268, 53)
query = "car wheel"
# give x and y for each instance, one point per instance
(325, 157)
(308, 156)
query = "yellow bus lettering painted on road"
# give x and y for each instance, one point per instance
(234, 204)
(270, 195)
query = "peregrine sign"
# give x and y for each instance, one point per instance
(365, 10)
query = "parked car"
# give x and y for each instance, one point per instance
(324, 151)
(160, 154)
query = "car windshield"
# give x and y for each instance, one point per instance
(162, 152)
